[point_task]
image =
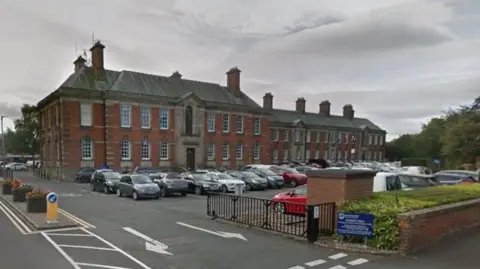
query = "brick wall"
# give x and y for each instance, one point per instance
(422, 228)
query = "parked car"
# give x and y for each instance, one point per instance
(417, 170)
(137, 186)
(105, 180)
(304, 169)
(170, 183)
(199, 183)
(386, 181)
(227, 182)
(292, 202)
(252, 181)
(148, 170)
(16, 167)
(84, 175)
(273, 180)
(32, 163)
(465, 173)
(290, 176)
(453, 179)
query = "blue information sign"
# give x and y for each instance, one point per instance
(355, 224)
(52, 197)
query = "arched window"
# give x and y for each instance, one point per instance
(125, 149)
(87, 148)
(145, 151)
(188, 120)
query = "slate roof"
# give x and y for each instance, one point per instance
(291, 117)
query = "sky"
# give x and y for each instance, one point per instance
(398, 62)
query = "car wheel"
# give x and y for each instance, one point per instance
(106, 189)
(248, 187)
(293, 183)
(280, 208)
(134, 195)
(198, 190)
(92, 187)
(163, 193)
(224, 189)
(119, 193)
(184, 194)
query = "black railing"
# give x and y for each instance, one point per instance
(282, 217)
(6, 173)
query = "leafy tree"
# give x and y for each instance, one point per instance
(12, 142)
(27, 130)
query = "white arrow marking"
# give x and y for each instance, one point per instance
(218, 233)
(150, 244)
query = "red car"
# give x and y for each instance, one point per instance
(292, 202)
(290, 176)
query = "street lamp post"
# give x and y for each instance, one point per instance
(3, 138)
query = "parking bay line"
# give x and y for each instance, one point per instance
(315, 263)
(100, 265)
(59, 234)
(86, 247)
(357, 261)
(338, 256)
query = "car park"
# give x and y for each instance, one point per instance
(170, 183)
(273, 180)
(105, 180)
(291, 177)
(200, 184)
(252, 180)
(137, 186)
(227, 182)
(84, 175)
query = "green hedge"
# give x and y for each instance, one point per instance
(385, 208)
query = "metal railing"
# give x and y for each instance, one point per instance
(6, 173)
(283, 217)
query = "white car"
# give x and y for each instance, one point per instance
(227, 182)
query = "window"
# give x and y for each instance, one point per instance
(285, 154)
(325, 154)
(211, 122)
(332, 137)
(318, 137)
(380, 140)
(225, 152)
(256, 151)
(307, 154)
(87, 148)
(297, 135)
(145, 117)
(226, 123)
(317, 152)
(285, 135)
(275, 134)
(339, 138)
(239, 124)
(256, 126)
(164, 118)
(347, 137)
(211, 152)
(49, 118)
(275, 154)
(239, 152)
(85, 114)
(374, 155)
(309, 134)
(371, 139)
(300, 191)
(326, 137)
(188, 120)
(299, 155)
(125, 149)
(163, 150)
(380, 156)
(125, 115)
(57, 116)
(345, 155)
(145, 150)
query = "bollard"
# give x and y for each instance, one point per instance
(52, 208)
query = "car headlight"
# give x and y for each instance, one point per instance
(254, 181)
(109, 183)
(206, 185)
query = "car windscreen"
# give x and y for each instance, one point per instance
(249, 174)
(224, 176)
(267, 172)
(173, 176)
(112, 175)
(289, 170)
(201, 177)
(141, 179)
(147, 171)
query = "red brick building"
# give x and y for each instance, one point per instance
(127, 119)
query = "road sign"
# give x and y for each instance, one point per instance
(355, 224)
(437, 161)
(52, 207)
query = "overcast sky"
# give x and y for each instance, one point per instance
(399, 62)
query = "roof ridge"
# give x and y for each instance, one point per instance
(168, 77)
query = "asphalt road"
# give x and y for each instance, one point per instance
(181, 237)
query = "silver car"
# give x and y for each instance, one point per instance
(137, 186)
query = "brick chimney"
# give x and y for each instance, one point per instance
(300, 105)
(233, 80)
(79, 63)
(176, 74)
(97, 60)
(268, 101)
(348, 112)
(325, 108)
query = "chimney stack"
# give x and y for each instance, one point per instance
(268, 101)
(233, 80)
(348, 112)
(325, 108)
(176, 74)
(97, 60)
(300, 105)
(79, 63)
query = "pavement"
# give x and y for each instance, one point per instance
(174, 233)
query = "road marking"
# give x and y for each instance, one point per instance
(60, 250)
(338, 256)
(86, 247)
(76, 219)
(100, 265)
(150, 244)
(338, 267)
(358, 261)
(57, 230)
(297, 267)
(315, 263)
(58, 234)
(218, 233)
(118, 249)
(15, 220)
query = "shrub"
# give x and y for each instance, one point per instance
(385, 208)
(37, 194)
(16, 184)
(24, 188)
(7, 182)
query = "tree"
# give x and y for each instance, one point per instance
(13, 144)
(27, 129)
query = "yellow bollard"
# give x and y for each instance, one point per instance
(52, 208)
